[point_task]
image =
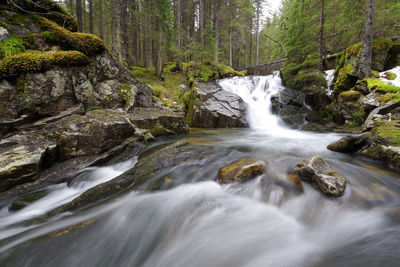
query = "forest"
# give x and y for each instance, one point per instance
(238, 33)
(192, 133)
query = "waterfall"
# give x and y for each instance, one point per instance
(330, 75)
(256, 92)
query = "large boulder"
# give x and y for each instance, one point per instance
(316, 171)
(159, 122)
(217, 108)
(22, 157)
(289, 104)
(104, 82)
(91, 134)
(241, 170)
(382, 113)
(381, 143)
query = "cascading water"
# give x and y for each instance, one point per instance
(253, 224)
(257, 91)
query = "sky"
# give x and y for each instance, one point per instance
(270, 7)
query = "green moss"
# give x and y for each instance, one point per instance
(93, 108)
(349, 96)
(387, 130)
(345, 79)
(158, 91)
(11, 46)
(88, 44)
(375, 73)
(309, 77)
(389, 76)
(379, 86)
(189, 100)
(389, 98)
(37, 61)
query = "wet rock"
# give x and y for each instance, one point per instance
(241, 170)
(159, 122)
(289, 104)
(23, 201)
(378, 114)
(217, 108)
(316, 171)
(145, 175)
(22, 157)
(91, 134)
(349, 143)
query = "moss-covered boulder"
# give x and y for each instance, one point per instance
(382, 143)
(316, 171)
(349, 110)
(241, 170)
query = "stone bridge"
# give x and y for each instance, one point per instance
(266, 68)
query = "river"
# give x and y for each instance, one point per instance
(197, 222)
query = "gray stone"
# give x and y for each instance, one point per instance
(4, 34)
(217, 108)
(316, 171)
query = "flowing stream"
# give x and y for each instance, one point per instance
(198, 222)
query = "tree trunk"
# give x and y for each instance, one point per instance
(90, 16)
(257, 30)
(78, 11)
(216, 25)
(230, 34)
(321, 35)
(124, 31)
(364, 66)
(101, 22)
(115, 31)
(159, 65)
(201, 22)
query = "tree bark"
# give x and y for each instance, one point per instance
(124, 31)
(90, 16)
(364, 66)
(101, 22)
(321, 35)
(216, 26)
(230, 34)
(78, 11)
(115, 29)
(257, 30)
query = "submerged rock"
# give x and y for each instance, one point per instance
(217, 108)
(241, 170)
(316, 171)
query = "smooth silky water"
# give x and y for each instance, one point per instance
(198, 222)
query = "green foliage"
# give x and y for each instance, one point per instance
(208, 70)
(37, 61)
(11, 46)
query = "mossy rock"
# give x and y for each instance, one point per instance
(241, 170)
(349, 96)
(23, 201)
(379, 86)
(88, 44)
(389, 76)
(346, 79)
(386, 98)
(387, 132)
(37, 61)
